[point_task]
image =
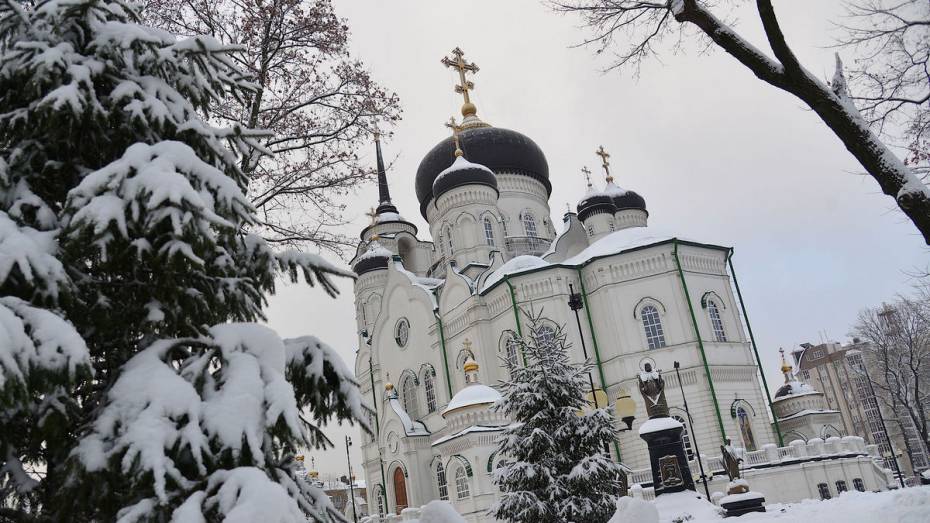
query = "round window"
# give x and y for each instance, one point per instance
(402, 332)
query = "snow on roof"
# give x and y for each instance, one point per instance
(388, 217)
(468, 430)
(658, 425)
(793, 389)
(614, 243)
(411, 427)
(424, 284)
(375, 250)
(460, 164)
(513, 266)
(807, 412)
(613, 189)
(472, 394)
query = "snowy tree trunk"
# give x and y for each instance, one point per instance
(647, 23)
(833, 106)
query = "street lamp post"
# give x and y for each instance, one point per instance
(576, 303)
(351, 487)
(694, 442)
(624, 408)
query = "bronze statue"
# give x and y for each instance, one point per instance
(653, 390)
(730, 461)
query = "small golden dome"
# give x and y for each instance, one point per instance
(389, 386)
(470, 365)
(375, 237)
(313, 474)
(469, 109)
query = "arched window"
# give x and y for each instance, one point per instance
(410, 397)
(655, 336)
(841, 487)
(529, 224)
(379, 494)
(716, 321)
(858, 484)
(461, 484)
(441, 482)
(449, 242)
(824, 490)
(512, 352)
(430, 389)
(685, 438)
(488, 231)
(545, 336)
(745, 428)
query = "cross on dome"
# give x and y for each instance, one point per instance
(373, 214)
(785, 366)
(456, 128)
(457, 61)
(604, 163)
(587, 175)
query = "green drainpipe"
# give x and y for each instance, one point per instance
(755, 350)
(374, 402)
(445, 358)
(516, 313)
(597, 352)
(697, 333)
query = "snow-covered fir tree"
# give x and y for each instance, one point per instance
(554, 466)
(132, 385)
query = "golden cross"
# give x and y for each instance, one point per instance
(457, 61)
(372, 214)
(587, 174)
(604, 156)
(455, 135)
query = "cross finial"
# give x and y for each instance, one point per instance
(373, 213)
(451, 124)
(604, 163)
(457, 61)
(587, 174)
(466, 344)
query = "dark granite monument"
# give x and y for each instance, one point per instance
(670, 471)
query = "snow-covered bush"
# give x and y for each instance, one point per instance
(132, 386)
(554, 466)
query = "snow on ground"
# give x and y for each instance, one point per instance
(910, 505)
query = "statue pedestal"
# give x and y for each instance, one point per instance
(740, 500)
(667, 459)
(739, 504)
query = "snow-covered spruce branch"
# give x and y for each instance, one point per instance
(210, 426)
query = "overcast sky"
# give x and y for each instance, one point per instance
(719, 156)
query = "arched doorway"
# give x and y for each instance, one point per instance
(400, 490)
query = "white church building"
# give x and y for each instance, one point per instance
(436, 319)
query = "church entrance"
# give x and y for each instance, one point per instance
(400, 490)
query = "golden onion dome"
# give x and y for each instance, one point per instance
(470, 365)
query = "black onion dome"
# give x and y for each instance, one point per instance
(373, 259)
(595, 203)
(462, 172)
(629, 200)
(500, 150)
(783, 391)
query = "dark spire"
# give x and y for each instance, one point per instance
(384, 194)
